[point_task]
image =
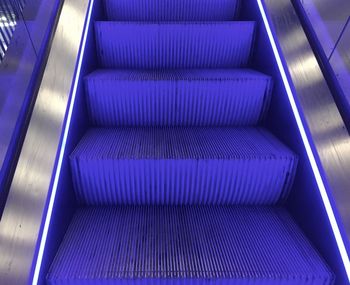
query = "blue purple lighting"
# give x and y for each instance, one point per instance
(314, 166)
(164, 142)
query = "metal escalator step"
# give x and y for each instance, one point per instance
(181, 166)
(186, 245)
(174, 45)
(195, 97)
(170, 10)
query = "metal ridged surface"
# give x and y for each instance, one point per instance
(170, 10)
(173, 45)
(177, 98)
(181, 166)
(8, 21)
(186, 245)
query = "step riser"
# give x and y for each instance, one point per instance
(169, 10)
(157, 46)
(181, 182)
(181, 166)
(239, 102)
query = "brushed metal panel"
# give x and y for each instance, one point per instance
(21, 221)
(323, 119)
(329, 19)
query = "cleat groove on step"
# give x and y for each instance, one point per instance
(177, 97)
(186, 245)
(170, 10)
(174, 45)
(181, 166)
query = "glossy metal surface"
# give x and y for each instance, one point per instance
(328, 19)
(15, 73)
(20, 74)
(330, 22)
(7, 24)
(331, 139)
(23, 214)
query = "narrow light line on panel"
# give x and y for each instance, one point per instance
(310, 154)
(62, 150)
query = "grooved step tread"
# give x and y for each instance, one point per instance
(182, 166)
(178, 74)
(172, 64)
(197, 97)
(173, 45)
(170, 10)
(186, 245)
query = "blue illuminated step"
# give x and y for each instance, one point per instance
(177, 98)
(186, 245)
(181, 166)
(170, 10)
(174, 45)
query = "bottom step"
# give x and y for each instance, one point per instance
(186, 245)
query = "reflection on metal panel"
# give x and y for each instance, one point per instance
(9, 10)
(323, 119)
(340, 60)
(21, 220)
(20, 75)
(15, 73)
(7, 26)
(330, 21)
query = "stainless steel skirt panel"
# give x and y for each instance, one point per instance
(328, 131)
(23, 213)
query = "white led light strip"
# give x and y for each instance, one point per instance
(62, 150)
(316, 171)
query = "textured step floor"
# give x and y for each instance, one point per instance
(186, 245)
(181, 166)
(174, 45)
(194, 97)
(171, 10)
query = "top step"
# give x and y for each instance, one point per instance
(140, 45)
(170, 10)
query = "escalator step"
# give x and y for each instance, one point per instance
(186, 245)
(174, 45)
(177, 98)
(181, 166)
(170, 10)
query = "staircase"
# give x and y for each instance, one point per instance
(177, 180)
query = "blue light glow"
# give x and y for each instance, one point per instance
(62, 150)
(306, 142)
(315, 169)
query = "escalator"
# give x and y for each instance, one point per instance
(178, 178)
